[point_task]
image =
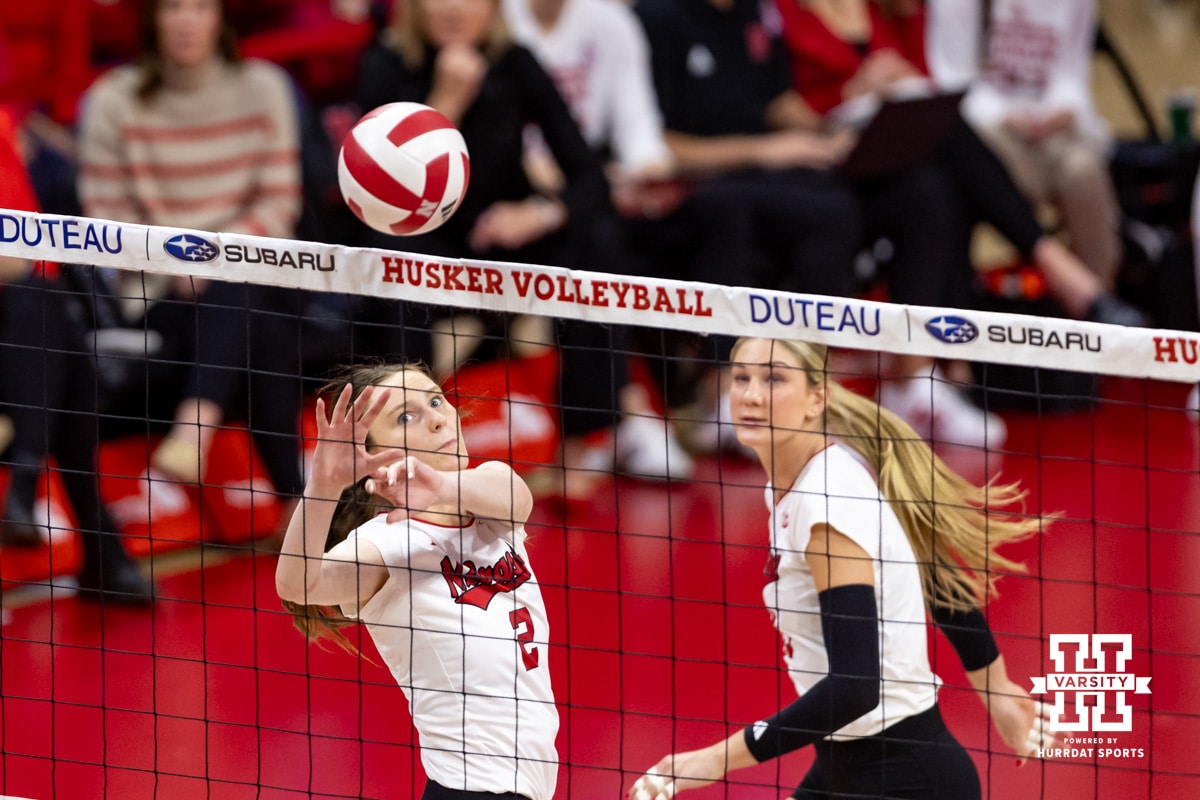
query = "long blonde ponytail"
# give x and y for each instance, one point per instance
(955, 527)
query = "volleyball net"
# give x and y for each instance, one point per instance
(652, 573)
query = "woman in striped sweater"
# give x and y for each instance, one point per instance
(192, 136)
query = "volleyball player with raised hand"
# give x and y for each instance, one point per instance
(397, 531)
(866, 523)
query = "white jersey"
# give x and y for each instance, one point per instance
(598, 57)
(461, 624)
(1039, 58)
(836, 489)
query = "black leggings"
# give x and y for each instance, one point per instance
(434, 791)
(989, 190)
(237, 346)
(915, 759)
(48, 387)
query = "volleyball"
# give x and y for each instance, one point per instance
(403, 169)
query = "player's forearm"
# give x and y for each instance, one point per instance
(298, 571)
(495, 494)
(992, 678)
(734, 752)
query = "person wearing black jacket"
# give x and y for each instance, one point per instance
(456, 56)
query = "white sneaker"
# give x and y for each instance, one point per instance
(940, 412)
(648, 448)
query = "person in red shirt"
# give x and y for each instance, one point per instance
(47, 53)
(48, 390)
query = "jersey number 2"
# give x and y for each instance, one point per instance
(528, 654)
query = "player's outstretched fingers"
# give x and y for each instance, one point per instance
(653, 787)
(1043, 735)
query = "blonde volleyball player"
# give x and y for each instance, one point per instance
(865, 522)
(396, 530)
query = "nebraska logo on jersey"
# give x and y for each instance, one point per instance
(771, 568)
(477, 586)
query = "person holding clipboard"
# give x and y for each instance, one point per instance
(925, 179)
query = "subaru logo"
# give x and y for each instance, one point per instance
(952, 330)
(190, 248)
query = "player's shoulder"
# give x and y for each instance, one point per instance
(844, 466)
(836, 470)
(372, 528)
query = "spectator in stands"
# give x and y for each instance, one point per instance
(194, 137)
(596, 53)
(765, 211)
(1028, 69)
(457, 56)
(845, 53)
(317, 41)
(44, 67)
(48, 390)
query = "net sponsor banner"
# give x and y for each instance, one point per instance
(614, 299)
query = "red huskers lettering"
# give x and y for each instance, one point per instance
(771, 568)
(476, 586)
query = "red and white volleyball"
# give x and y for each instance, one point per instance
(404, 169)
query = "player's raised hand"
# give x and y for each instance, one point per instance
(409, 486)
(341, 456)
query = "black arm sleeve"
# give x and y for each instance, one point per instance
(850, 623)
(969, 634)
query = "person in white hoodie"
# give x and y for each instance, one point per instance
(596, 52)
(1028, 69)
(597, 55)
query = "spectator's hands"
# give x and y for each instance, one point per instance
(458, 73)
(185, 287)
(788, 149)
(409, 486)
(509, 225)
(1036, 128)
(648, 193)
(878, 71)
(13, 269)
(680, 771)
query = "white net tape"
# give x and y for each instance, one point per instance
(615, 299)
